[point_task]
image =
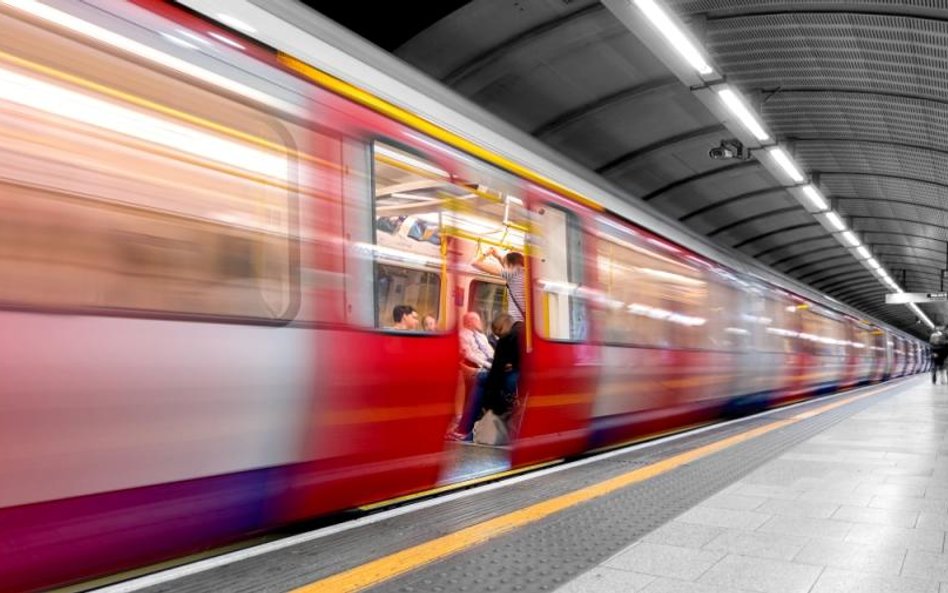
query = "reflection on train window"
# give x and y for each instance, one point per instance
(780, 334)
(822, 335)
(114, 204)
(651, 297)
(419, 210)
(561, 313)
(487, 299)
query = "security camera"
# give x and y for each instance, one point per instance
(719, 153)
(728, 149)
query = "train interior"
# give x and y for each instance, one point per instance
(429, 227)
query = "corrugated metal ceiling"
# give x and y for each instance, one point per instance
(858, 91)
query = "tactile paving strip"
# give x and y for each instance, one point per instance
(538, 557)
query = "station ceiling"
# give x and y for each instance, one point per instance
(856, 91)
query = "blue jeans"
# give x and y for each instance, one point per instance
(472, 403)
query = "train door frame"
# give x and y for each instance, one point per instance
(560, 374)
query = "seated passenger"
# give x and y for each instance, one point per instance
(405, 317)
(429, 323)
(475, 348)
(476, 358)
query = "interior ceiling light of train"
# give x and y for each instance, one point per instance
(809, 135)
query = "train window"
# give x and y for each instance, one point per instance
(125, 189)
(429, 221)
(561, 313)
(822, 335)
(652, 295)
(410, 254)
(733, 315)
(397, 285)
(487, 299)
(780, 325)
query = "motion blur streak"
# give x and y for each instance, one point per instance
(203, 293)
(100, 34)
(66, 103)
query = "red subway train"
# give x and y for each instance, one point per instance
(207, 223)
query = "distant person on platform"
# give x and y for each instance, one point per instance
(939, 343)
(510, 268)
(405, 317)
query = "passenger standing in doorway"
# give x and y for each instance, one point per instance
(500, 387)
(511, 268)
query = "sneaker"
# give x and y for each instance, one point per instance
(459, 436)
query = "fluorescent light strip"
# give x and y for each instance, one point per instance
(782, 159)
(813, 195)
(675, 36)
(851, 238)
(102, 35)
(836, 221)
(873, 263)
(737, 107)
(61, 102)
(921, 315)
(863, 251)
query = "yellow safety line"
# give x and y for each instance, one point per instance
(388, 567)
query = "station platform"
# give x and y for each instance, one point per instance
(844, 493)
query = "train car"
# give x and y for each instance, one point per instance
(204, 244)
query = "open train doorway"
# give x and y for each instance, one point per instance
(441, 241)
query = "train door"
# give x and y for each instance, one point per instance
(561, 366)
(391, 365)
(465, 223)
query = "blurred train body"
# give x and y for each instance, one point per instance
(200, 250)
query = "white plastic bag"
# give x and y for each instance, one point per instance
(491, 429)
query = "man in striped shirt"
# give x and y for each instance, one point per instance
(510, 268)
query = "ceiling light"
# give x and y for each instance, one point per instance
(675, 36)
(851, 238)
(737, 107)
(786, 164)
(836, 221)
(813, 195)
(862, 251)
(873, 263)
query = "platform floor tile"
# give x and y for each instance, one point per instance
(608, 579)
(861, 507)
(664, 560)
(763, 575)
(844, 581)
